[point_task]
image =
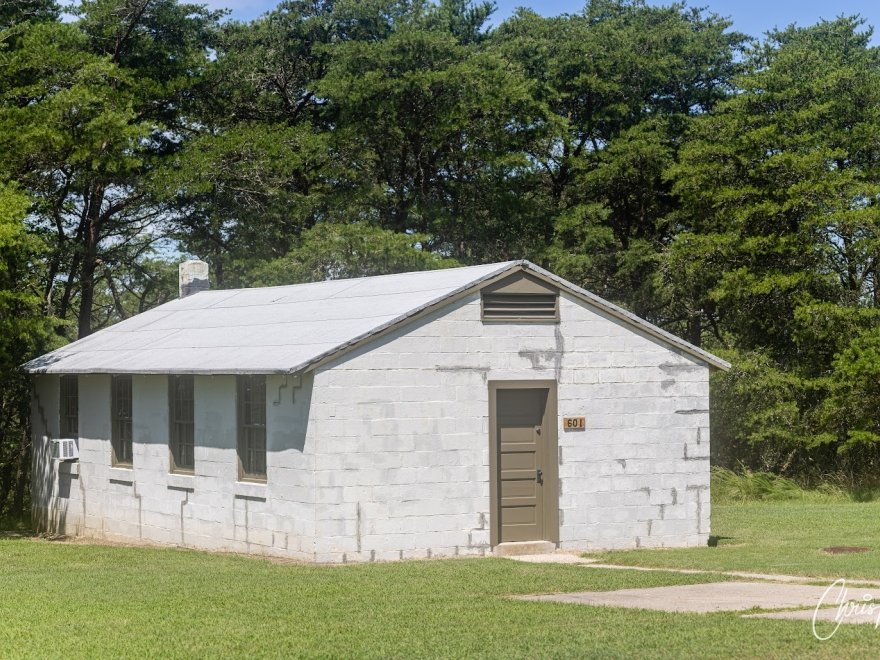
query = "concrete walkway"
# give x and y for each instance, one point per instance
(769, 577)
(588, 562)
(849, 601)
(868, 614)
(710, 597)
(553, 558)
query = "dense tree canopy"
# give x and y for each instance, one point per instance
(24, 330)
(778, 236)
(721, 187)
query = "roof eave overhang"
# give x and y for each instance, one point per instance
(337, 352)
(591, 299)
(631, 319)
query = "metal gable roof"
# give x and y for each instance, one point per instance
(287, 329)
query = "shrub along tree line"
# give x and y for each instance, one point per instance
(723, 188)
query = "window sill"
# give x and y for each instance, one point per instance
(121, 476)
(181, 481)
(250, 489)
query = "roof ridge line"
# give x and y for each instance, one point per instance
(349, 279)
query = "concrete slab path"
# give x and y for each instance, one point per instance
(553, 558)
(711, 597)
(848, 602)
(770, 577)
(870, 614)
(589, 562)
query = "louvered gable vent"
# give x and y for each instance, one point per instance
(521, 298)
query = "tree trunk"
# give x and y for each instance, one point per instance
(89, 263)
(877, 286)
(695, 328)
(5, 484)
(114, 293)
(7, 433)
(22, 475)
(87, 294)
(67, 295)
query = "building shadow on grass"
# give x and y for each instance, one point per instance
(714, 540)
(13, 527)
(10, 530)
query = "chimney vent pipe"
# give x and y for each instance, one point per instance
(193, 277)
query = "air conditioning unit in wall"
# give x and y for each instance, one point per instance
(65, 449)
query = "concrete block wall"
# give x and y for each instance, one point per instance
(383, 453)
(209, 509)
(48, 511)
(402, 447)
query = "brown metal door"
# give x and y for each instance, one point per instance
(521, 463)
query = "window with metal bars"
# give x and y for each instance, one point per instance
(252, 428)
(121, 412)
(181, 412)
(69, 407)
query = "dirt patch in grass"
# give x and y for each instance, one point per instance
(845, 549)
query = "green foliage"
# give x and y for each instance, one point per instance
(265, 70)
(14, 13)
(776, 179)
(852, 409)
(622, 79)
(329, 252)
(87, 110)
(245, 194)
(132, 288)
(777, 189)
(440, 118)
(724, 189)
(24, 332)
(758, 405)
(731, 487)
(21, 321)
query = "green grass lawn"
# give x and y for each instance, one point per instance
(779, 537)
(80, 600)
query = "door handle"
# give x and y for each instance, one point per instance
(539, 476)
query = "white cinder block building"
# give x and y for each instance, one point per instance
(440, 413)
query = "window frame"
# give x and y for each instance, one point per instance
(251, 435)
(68, 411)
(121, 428)
(181, 446)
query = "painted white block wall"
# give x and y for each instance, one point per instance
(209, 509)
(384, 452)
(402, 446)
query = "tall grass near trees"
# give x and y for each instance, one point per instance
(747, 486)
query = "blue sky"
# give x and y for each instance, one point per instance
(753, 17)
